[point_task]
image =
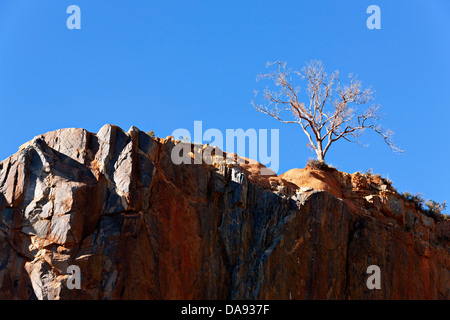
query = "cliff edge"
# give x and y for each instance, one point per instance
(140, 227)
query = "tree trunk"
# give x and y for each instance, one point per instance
(319, 152)
(320, 156)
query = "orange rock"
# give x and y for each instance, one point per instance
(140, 227)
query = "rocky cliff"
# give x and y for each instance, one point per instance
(140, 227)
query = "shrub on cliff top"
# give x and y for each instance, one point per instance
(429, 208)
(435, 209)
(416, 199)
(319, 165)
(386, 181)
(369, 173)
(151, 134)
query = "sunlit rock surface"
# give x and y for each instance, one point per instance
(140, 227)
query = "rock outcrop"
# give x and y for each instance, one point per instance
(140, 227)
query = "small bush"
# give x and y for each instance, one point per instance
(430, 208)
(369, 174)
(319, 165)
(406, 195)
(151, 134)
(416, 199)
(386, 181)
(435, 209)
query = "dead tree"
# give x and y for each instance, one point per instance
(329, 111)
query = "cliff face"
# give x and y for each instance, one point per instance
(140, 227)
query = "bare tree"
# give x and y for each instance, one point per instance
(330, 111)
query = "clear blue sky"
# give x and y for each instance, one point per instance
(163, 64)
